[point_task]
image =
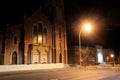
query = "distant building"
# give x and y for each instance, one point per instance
(90, 55)
(40, 39)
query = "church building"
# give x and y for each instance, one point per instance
(41, 39)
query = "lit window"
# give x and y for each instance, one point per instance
(40, 28)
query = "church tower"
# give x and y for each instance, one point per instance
(54, 10)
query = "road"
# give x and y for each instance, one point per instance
(69, 74)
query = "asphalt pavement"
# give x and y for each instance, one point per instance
(70, 73)
(115, 68)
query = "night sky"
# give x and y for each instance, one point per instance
(104, 14)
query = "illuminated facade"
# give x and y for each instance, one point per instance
(90, 55)
(41, 39)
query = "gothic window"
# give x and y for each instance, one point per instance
(35, 35)
(45, 35)
(15, 40)
(40, 28)
(60, 32)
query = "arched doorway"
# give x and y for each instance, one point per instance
(35, 57)
(44, 57)
(60, 58)
(14, 58)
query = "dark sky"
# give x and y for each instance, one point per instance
(12, 11)
(104, 14)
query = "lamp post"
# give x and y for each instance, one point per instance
(112, 59)
(87, 27)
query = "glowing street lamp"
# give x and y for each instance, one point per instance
(87, 27)
(111, 55)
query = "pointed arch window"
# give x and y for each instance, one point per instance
(40, 28)
(35, 35)
(60, 31)
(44, 35)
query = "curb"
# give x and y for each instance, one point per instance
(29, 71)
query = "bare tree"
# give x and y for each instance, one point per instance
(85, 55)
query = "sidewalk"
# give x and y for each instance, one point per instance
(31, 71)
(37, 71)
(58, 69)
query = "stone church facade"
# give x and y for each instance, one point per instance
(41, 39)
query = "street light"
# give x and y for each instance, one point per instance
(112, 57)
(87, 27)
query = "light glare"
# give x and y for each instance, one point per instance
(88, 27)
(112, 55)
